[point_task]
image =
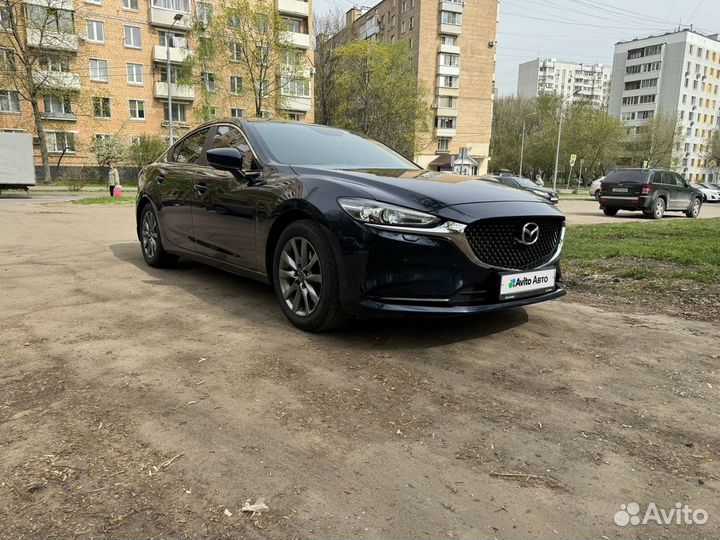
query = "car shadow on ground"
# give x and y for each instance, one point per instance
(221, 289)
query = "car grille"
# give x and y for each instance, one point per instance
(496, 242)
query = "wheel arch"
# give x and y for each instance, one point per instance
(139, 207)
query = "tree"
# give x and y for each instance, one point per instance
(146, 150)
(251, 37)
(656, 142)
(378, 94)
(108, 150)
(327, 60)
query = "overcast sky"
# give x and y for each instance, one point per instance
(577, 30)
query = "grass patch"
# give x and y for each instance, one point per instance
(105, 200)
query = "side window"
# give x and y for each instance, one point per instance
(657, 177)
(679, 180)
(229, 137)
(190, 150)
(508, 182)
(669, 178)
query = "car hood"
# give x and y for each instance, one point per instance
(425, 190)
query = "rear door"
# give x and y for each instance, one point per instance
(225, 207)
(175, 180)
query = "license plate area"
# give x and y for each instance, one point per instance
(619, 190)
(521, 284)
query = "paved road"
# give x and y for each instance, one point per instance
(139, 402)
(587, 212)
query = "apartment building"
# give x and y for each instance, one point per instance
(676, 74)
(550, 76)
(453, 44)
(112, 58)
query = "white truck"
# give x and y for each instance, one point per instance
(17, 167)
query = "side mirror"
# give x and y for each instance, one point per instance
(231, 160)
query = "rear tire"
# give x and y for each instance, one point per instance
(610, 211)
(306, 278)
(694, 210)
(151, 241)
(658, 209)
(597, 194)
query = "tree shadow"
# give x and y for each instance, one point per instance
(221, 289)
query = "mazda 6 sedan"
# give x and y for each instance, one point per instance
(341, 225)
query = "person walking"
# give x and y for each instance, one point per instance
(113, 178)
(539, 181)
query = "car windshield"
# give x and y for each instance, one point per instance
(525, 182)
(320, 146)
(638, 176)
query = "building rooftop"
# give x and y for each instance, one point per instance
(714, 37)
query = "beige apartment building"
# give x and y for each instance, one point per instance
(453, 42)
(111, 55)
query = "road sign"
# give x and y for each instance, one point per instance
(573, 159)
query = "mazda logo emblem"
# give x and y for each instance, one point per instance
(530, 234)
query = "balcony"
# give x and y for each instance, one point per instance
(449, 70)
(56, 79)
(177, 55)
(60, 116)
(294, 7)
(296, 39)
(166, 17)
(56, 41)
(450, 49)
(451, 29)
(445, 91)
(448, 5)
(180, 92)
(295, 103)
(445, 132)
(442, 111)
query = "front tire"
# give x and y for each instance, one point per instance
(694, 210)
(610, 211)
(151, 242)
(306, 278)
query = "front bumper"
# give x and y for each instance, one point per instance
(387, 272)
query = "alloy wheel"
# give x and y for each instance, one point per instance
(149, 234)
(696, 207)
(300, 276)
(659, 208)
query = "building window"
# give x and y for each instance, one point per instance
(449, 40)
(50, 19)
(95, 31)
(137, 109)
(204, 13)
(132, 37)
(446, 122)
(57, 105)
(98, 70)
(265, 114)
(5, 23)
(135, 74)
(60, 141)
(412, 23)
(57, 64)
(236, 52)
(447, 102)
(179, 112)
(173, 74)
(174, 5)
(101, 107)
(172, 39)
(450, 17)
(449, 81)
(443, 144)
(295, 87)
(452, 60)
(9, 101)
(237, 113)
(131, 5)
(403, 27)
(294, 25)
(208, 81)
(295, 116)
(236, 84)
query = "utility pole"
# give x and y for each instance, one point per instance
(557, 151)
(168, 40)
(522, 144)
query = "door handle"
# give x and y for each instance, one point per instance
(201, 188)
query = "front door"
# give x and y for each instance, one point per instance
(225, 207)
(684, 192)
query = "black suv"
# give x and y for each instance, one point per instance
(654, 191)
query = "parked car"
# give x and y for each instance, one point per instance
(340, 224)
(525, 183)
(652, 191)
(595, 188)
(710, 194)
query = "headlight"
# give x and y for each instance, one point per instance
(378, 213)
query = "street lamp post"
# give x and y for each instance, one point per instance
(169, 39)
(557, 151)
(522, 144)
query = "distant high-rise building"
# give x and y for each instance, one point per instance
(453, 44)
(677, 74)
(550, 76)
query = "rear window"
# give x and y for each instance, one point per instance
(632, 177)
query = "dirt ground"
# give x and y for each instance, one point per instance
(143, 403)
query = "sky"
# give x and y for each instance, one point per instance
(576, 30)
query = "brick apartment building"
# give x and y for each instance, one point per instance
(111, 55)
(453, 42)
